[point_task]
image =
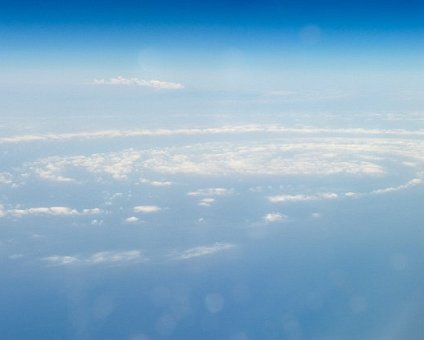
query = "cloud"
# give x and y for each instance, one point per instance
(146, 209)
(206, 202)
(100, 258)
(156, 84)
(302, 198)
(221, 130)
(203, 251)
(274, 217)
(58, 260)
(115, 257)
(132, 219)
(211, 192)
(411, 183)
(49, 211)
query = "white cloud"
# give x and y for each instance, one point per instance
(222, 130)
(122, 81)
(6, 178)
(146, 209)
(52, 211)
(411, 183)
(274, 217)
(132, 219)
(302, 198)
(203, 251)
(211, 192)
(58, 260)
(100, 258)
(115, 257)
(207, 202)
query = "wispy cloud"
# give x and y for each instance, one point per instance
(206, 202)
(302, 197)
(146, 209)
(226, 130)
(212, 192)
(122, 81)
(203, 251)
(100, 258)
(275, 217)
(49, 211)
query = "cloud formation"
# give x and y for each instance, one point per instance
(146, 209)
(48, 211)
(302, 197)
(100, 258)
(122, 81)
(275, 217)
(203, 251)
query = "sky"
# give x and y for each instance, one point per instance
(233, 170)
(357, 52)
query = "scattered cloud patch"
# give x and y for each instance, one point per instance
(155, 84)
(203, 251)
(302, 198)
(115, 257)
(211, 192)
(146, 209)
(100, 258)
(58, 260)
(207, 202)
(49, 211)
(275, 217)
(132, 220)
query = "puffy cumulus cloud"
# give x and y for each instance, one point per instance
(100, 258)
(156, 84)
(49, 211)
(203, 251)
(275, 217)
(146, 209)
(302, 197)
(211, 192)
(117, 165)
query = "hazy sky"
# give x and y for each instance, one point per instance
(266, 56)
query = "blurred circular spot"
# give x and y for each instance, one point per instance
(399, 261)
(140, 337)
(239, 336)
(214, 303)
(166, 324)
(291, 327)
(241, 293)
(103, 307)
(310, 34)
(161, 296)
(358, 304)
